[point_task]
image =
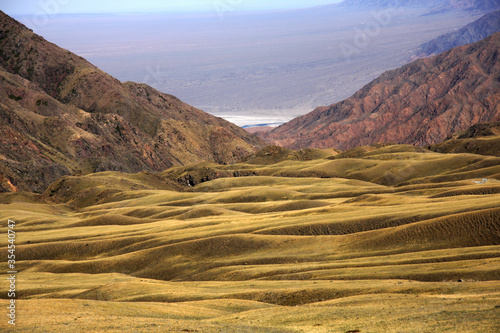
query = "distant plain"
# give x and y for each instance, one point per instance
(252, 68)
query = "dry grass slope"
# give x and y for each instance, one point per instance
(372, 240)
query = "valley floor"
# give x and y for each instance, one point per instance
(377, 239)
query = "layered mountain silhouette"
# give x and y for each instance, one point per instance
(471, 33)
(468, 5)
(434, 6)
(61, 115)
(390, 3)
(421, 103)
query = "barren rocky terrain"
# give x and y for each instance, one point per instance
(421, 103)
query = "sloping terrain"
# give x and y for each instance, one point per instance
(256, 68)
(376, 239)
(471, 33)
(421, 103)
(482, 139)
(61, 115)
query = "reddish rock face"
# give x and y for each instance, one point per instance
(421, 103)
(61, 115)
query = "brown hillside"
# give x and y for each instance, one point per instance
(61, 115)
(482, 139)
(421, 103)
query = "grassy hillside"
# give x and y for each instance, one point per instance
(376, 239)
(482, 139)
(61, 115)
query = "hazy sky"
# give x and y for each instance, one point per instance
(52, 7)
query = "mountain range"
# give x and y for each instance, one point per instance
(229, 237)
(469, 5)
(61, 115)
(471, 33)
(433, 6)
(421, 103)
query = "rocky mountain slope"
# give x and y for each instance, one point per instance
(421, 103)
(473, 32)
(61, 115)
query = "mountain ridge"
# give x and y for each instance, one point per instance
(74, 118)
(434, 7)
(468, 5)
(482, 139)
(471, 33)
(420, 103)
